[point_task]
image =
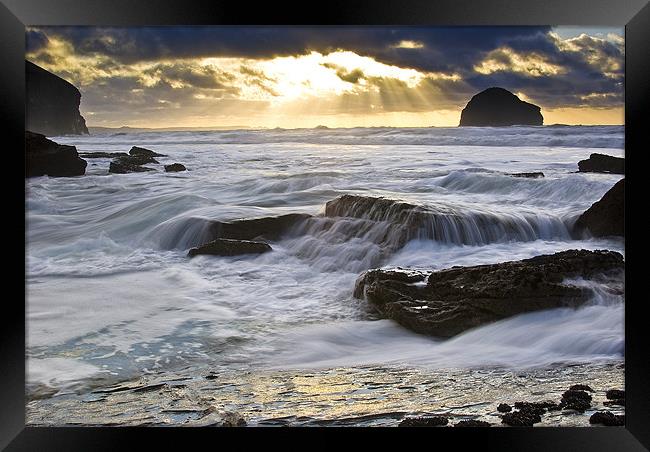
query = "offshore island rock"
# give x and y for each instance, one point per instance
(497, 107)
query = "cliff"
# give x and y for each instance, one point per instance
(52, 104)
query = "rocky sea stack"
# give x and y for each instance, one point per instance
(52, 104)
(496, 107)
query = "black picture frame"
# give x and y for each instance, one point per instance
(15, 14)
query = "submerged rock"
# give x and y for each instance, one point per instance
(496, 107)
(528, 175)
(138, 151)
(604, 217)
(447, 302)
(44, 157)
(432, 421)
(269, 228)
(601, 163)
(174, 167)
(226, 247)
(607, 418)
(52, 104)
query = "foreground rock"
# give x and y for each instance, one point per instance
(267, 228)
(138, 151)
(44, 157)
(130, 164)
(607, 418)
(496, 107)
(601, 163)
(175, 167)
(433, 421)
(605, 217)
(52, 104)
(226, 247)
(447, 302)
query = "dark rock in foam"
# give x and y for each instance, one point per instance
(605, 217)
(495, 107)
(175, 167)
(138, 151)
(227, 247)
(45, 157)
(447, 302)
(601, 163)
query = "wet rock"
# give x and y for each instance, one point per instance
(174, 167)
(496, 107)
(581, 387)
(536, 407)
(607, 418)
(575, 400)
(472, 423)
(44, 157)
(142, 152)
(613, 394)
(102, 155)
(528, 175)
(521, 418)
(433, 421)
(457, 299)
(615, 402)
(268, 228)
(601, 163)
(51, 104)
(227, 247)
(604, 217)
(233, 420)
(125, 165)
(504, 408)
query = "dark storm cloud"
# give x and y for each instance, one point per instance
(35, 40)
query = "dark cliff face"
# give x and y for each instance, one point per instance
(496, 107)
(52, 104)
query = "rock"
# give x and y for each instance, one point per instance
(433, 421)
(138, 151)
(615, 402)
(581, 387)
(613, 394)
(536, 407)
(233, 420)
(604, 217)
(227, 247)
(529, 175)
(575, 400)
(174, 167)
(102, 155)
(504, 408)
(601, 163)
(45, 157)
(607, 418)
(521, 418)
(496, 107)
(472, 423)
(123, 165)
(457, 299)
(52, 104)
(269, 228)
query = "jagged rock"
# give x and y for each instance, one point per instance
(496, 107)
(601, 163)
(102, 155)
(604, 217)
(504, 408)
(472, 423)
(575, 400)
(607, 418)
(138, 151)
(174, 167)
(536, 407)
(268, 228)
(45, 157)
(581, 387)
(528, 175)
(432, 421)
(52, 104)
(521, 418)
(227, 247)
(447, 302)
(614, 394)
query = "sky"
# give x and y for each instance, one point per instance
(292, 77)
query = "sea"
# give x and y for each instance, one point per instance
(112, 296)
